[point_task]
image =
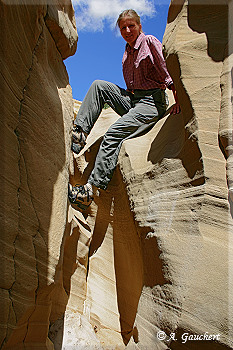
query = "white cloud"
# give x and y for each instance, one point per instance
(92, 15)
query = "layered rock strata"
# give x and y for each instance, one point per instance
(150, 261)
(36, 119)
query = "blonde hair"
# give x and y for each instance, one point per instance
(129, 13)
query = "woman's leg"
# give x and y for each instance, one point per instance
(101, 92)
(138, 119)
(145, 113)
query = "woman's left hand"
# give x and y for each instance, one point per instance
(175, 108)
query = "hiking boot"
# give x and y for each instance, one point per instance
(78, 139)
(80, 195)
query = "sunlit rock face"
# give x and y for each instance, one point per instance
(159, 259)
(148, 265)
(36, 119)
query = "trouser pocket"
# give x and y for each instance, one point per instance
(161, 100)
(160, 97)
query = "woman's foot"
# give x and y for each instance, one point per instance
(82, 195)
(78, 139)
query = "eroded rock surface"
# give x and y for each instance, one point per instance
(153, 253)
(36, 119)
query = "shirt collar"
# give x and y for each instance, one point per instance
(137, 43)
(139, 40)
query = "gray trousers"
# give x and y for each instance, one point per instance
(138, 111)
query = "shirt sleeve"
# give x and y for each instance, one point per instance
(159, 61)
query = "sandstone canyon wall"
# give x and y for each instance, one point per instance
(152, 254)
(36, 119)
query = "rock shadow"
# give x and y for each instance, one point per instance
(173, 142)
(136, 259)
(174, 10)
(213, 20)
(177, 137)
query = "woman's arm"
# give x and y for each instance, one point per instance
(156, 50)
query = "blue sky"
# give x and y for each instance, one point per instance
(100, 46)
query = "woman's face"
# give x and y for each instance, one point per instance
(130, 30)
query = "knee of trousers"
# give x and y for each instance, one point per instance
(98, 84)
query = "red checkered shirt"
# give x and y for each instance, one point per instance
(144, 66)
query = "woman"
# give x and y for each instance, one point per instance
(140, 106)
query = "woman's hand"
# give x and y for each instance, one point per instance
(176, 107)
